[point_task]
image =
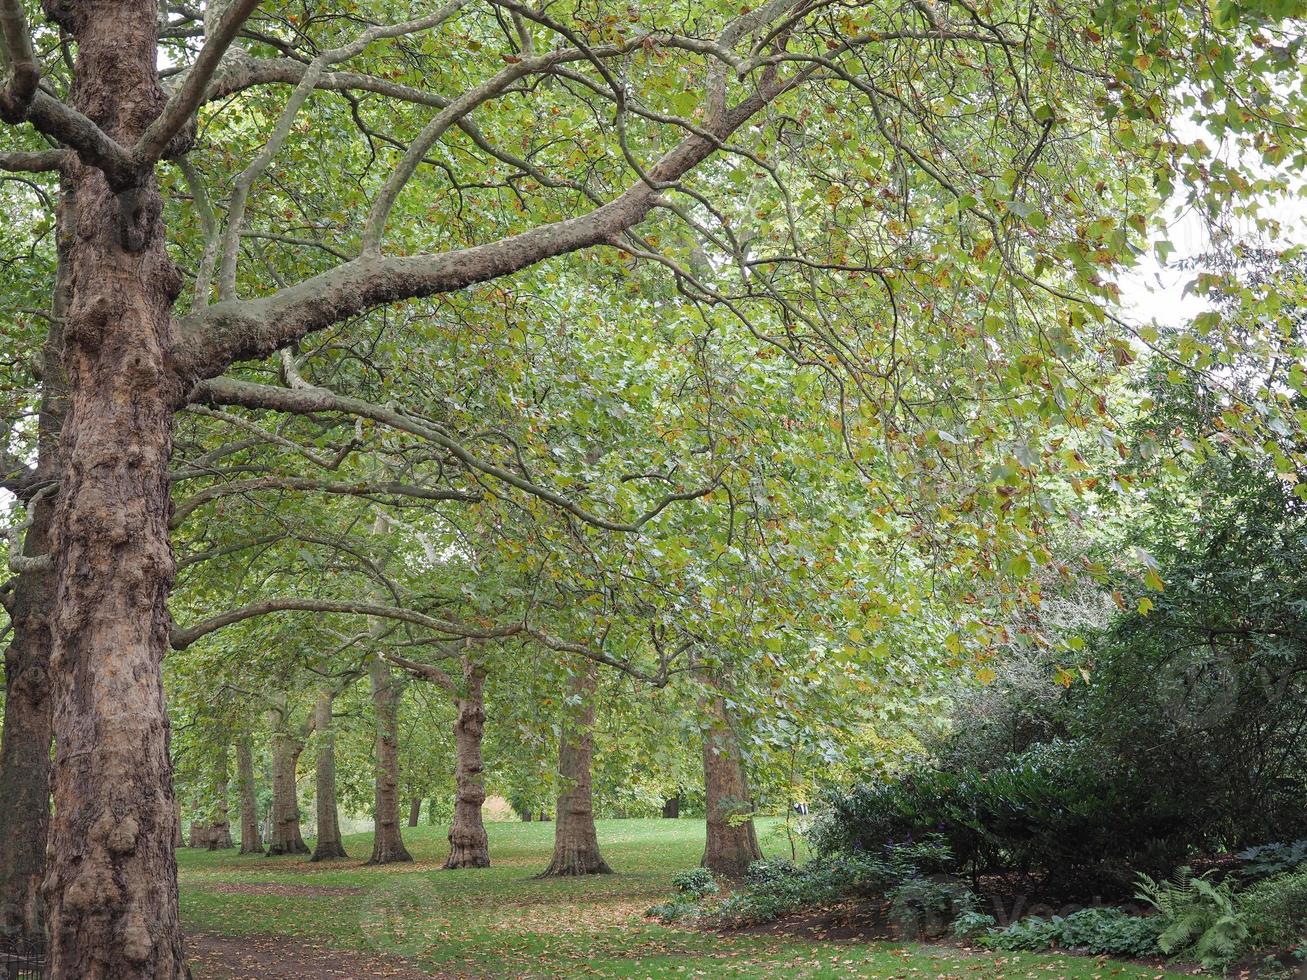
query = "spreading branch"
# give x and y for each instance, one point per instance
(307, 401)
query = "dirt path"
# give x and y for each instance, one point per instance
(215, 957)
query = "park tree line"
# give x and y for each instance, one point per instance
(747, 349)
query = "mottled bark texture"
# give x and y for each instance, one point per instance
(111, 887)
(468, 844)
(328, 845)
(576, 844)
(285, 837)
(732, 843)
(251, 840)
(387, 842)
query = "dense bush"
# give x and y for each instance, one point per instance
(1055, 807)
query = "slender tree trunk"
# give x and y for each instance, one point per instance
(328, 845)
(285, 837)
(111, 888)
(732, 843)
(387, 842)
(251, 843)
(25, 745)
(220, 822)
(414, 811)
(576, 844)
(28, 726)
(468, 845)
(672, 807)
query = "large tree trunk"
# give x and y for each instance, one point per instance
(111, 888)
(414, 811)
(328, 845)
(285, 837)
(468, 844)
(387, 842)
(251, 843)
(672, 807)
(732, 843)
(576, 845)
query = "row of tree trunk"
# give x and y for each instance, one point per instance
(731, 843)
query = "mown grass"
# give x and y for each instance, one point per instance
(501, 921)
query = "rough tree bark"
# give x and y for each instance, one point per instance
(414, 811)
(732, 843)
(251, 843)
(328, 845)
(285, 837)
(468, 844)
(672, 807)
(387, 842)
(576, 844)
(111, 888)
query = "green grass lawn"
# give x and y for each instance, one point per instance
(500, 921)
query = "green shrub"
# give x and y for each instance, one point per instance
(697, 882)
(679, 909)
(1200, 917)
(1272, 859)
(1276, 911)
(1057, 806)
(972, 923)
(1100, 931)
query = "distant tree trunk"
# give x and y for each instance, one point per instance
(414, 811)
(672, 807)
(220, 820)
(285, 837)
(25, 744)
(251, 843)
(328, 845)
(387, 843)
(29, 699)
(732, 843)
(576, 844)
(468, 845)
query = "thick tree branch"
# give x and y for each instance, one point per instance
(237, 330)
(93, 145)
(39, 161)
